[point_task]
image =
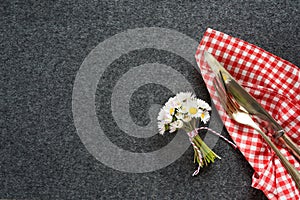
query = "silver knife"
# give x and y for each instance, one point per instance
(251, 105)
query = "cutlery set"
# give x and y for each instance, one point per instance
(244, 109)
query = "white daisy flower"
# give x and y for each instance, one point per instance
(170, 101)
(186, 118)
(183, 109)
(177, 103)
(173, 102)
(179, 115)
(167, 119)
(205, 116)
(164, 116)
(202, 104)
(184, 96)
(192, 108)
(161, 115)
(172, 129)
(177, 124)
(161, 127)
(169, 109)
(185, 105)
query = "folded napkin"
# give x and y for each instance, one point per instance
(275, 84)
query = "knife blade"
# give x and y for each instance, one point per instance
(250, 104)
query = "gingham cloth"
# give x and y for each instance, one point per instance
(274, 82)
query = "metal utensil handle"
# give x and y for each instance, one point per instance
(292, 146)
(289, 167)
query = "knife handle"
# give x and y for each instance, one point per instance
(288, 166)
(292, 146)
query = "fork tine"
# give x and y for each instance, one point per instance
(230, 99)
(222, 97)
(222, 80)
(218, 87)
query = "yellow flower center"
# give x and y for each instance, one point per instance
(193, 110)
(172, 111)
(202, 115)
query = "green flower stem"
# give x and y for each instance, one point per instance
(193, 123)
(199, 145)
(208, 154)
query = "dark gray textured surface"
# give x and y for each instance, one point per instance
(43, 44)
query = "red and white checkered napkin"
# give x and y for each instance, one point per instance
(275, 83)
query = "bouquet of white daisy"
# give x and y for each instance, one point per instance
(185, 111)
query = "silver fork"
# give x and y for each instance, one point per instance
(240, 115)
